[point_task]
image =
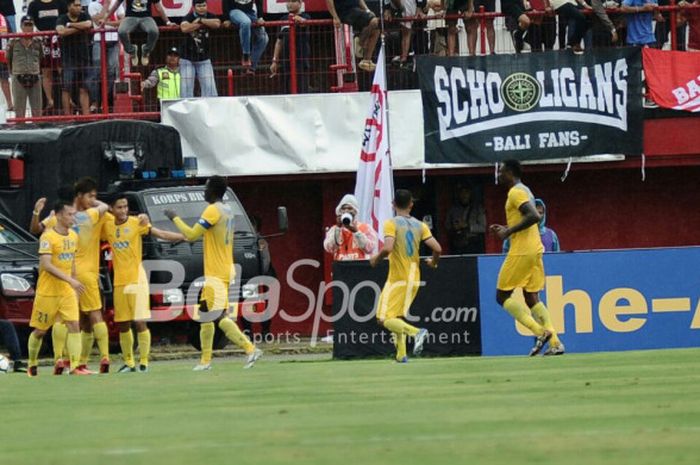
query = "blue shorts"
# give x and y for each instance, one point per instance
(74, 76)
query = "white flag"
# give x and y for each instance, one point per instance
(374, 187)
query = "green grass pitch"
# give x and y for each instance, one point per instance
(614, 408)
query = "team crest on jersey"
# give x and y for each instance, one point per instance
(44, 245)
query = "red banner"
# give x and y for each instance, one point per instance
(673, 78)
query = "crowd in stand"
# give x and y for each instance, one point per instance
(76, 49)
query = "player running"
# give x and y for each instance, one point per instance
(403, 235)
(124, 234)
(216, 225)
(523, 266)
(57, 288)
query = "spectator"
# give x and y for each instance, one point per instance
(640, 15)
(138, 16)
(349, 239)
(570, 14)
(356, 14)
(406, 8)
(167, 78)
(4, 72)
(281, 55)
(436, 28)
(603, 22)
(692, 15)
(96, 10)
(8, 334)
(196, 59)
(542, 32)
(515, 9)
(453, 7)
(73, 28)
(663, 28)
(7, 10)
(473, 26)
(466, 224)
(549, 238)
(45, 13)
(24, 60)
(244, 13)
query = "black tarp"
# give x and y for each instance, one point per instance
(447, 307)
(55, 156)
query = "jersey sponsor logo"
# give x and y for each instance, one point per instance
(121, 245)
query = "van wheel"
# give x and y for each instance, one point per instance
(220, 339)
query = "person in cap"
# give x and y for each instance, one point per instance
(348, 238)
(24, 62)
(167, 79)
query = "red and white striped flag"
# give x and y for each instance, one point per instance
(374, 187)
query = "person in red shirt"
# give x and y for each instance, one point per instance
(349, 239)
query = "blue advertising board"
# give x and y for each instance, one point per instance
(604, 301)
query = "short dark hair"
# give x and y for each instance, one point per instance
(217, 186)
(116, 197)
(403, 198)
(66, 192)
(514, 167)
(85, 185)
(61, 204)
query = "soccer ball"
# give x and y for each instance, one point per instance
(4, 365)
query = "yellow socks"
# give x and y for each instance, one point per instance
(206, 339)
(540, 312)
(34, 345)
(102, 337)
(144, 338)
(398, 326)
(59, 332)
(126, 341)
(87, 341)
(235, 335)
(400, 344)
(520, 312)
(73, 344)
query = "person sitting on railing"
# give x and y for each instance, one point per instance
(356, 14)
(570, 14)
(405, 8)
(640, 18)
(515, 9)
(138, 16)
(281, 55)
(96, 10)
(24, 60)
(692, 15)
(195, 58)
(74, 30)
(244, 13)
(45, 13)
(167, 78)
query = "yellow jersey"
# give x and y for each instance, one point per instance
(404, 260)
(527, 241)
(88, 226)
(62, 250)
(126, 240)
(217, 219)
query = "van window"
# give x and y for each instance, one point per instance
(7, 236)
(189, 205)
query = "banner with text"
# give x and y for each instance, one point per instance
(536, 106)
(673, 78)
(603, 301)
